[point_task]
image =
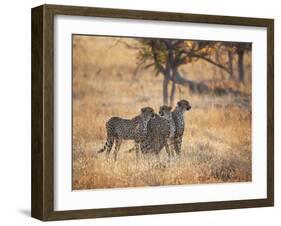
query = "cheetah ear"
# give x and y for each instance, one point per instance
(143, 110)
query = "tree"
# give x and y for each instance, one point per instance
(167, 55)
(242, 48)
(239, 49)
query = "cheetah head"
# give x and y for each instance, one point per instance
(183, 105)
(147, 113)
(165, 111)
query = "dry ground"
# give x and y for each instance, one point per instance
(216, 144)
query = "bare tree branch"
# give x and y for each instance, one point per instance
(212, 62)
(209, 60)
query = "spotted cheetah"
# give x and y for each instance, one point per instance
(166, 133)
(119, 129)
(160, 132)
(178, 117)
(165, 112)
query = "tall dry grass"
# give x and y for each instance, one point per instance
(217, 140)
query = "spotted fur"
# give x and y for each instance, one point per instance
(178, 117)
(119, 129)
(160, 132)
(166, 131)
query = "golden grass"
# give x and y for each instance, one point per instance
(217, 140)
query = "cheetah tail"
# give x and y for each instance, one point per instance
(108, 145)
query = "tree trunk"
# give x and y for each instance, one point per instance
(230, 64)
(172, 95)
(165, 90)
(241, 66)
(173, 90)
(218, 60)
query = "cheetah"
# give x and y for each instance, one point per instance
(165, 112)
(178, 117)
(166, 133)
(119, 129)
(160, 132)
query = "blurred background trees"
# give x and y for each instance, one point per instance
(165, 56)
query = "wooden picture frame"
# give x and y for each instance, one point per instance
(42, 203)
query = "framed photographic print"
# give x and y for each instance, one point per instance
(141, 112)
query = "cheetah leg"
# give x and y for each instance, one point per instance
(171, 142)
(167, 148)
(143, 146)
(108, 145)
(117, 148)
(177, 145)
(137, 148)
(156, 163)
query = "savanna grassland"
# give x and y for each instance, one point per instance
(217, 139)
